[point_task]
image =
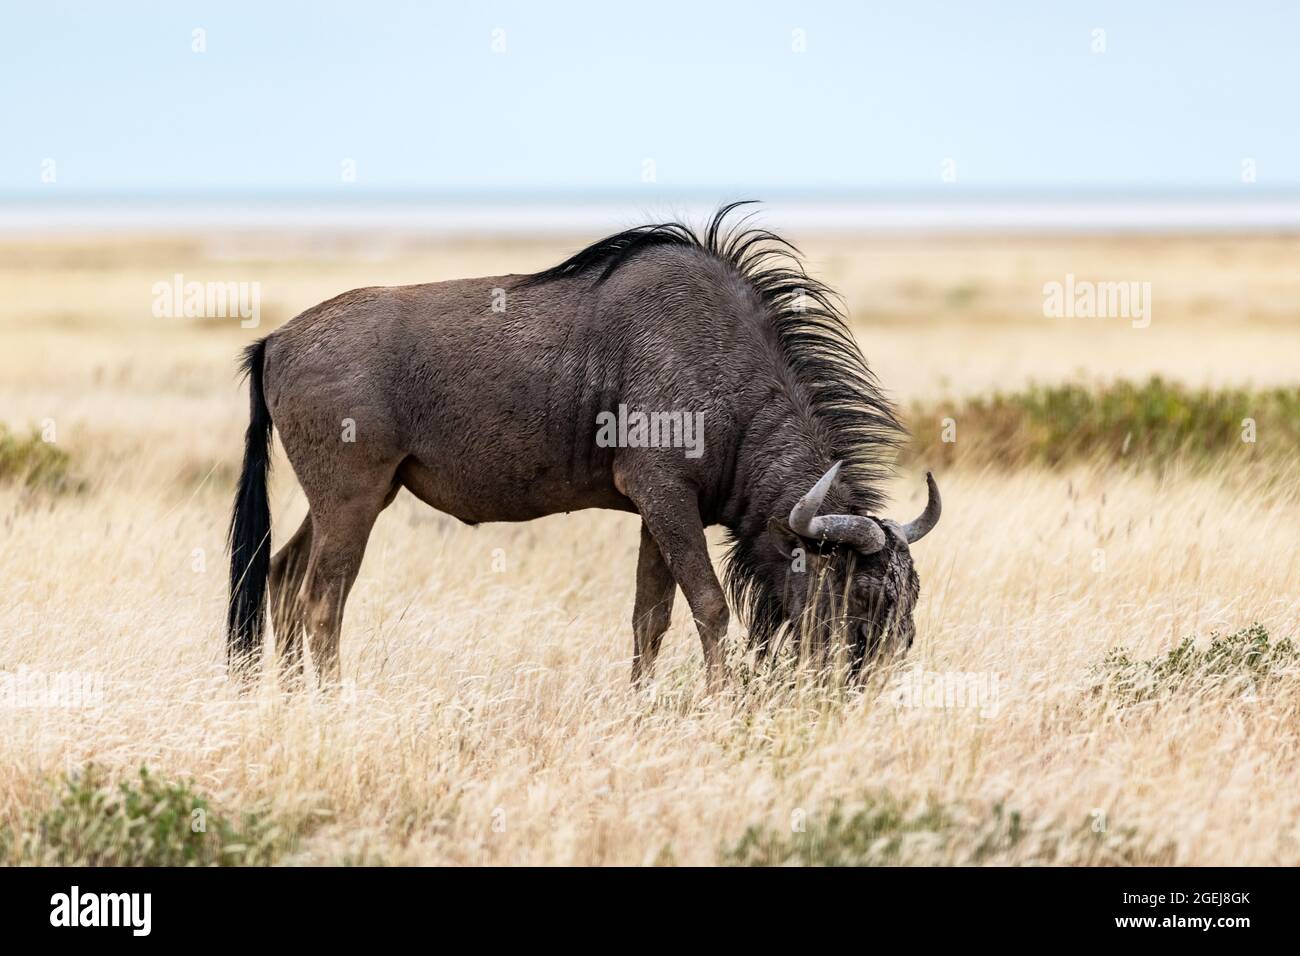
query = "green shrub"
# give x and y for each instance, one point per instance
(884, 831)
(1247, 657)
(873, 835)
(35, 463)
(146, 822)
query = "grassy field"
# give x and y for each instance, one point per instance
(1101, 512)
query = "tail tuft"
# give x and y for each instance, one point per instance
(250, 529)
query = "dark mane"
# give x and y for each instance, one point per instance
(818, 347)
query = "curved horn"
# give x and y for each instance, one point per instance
(862, 533)
(914, 531)
(806, 508)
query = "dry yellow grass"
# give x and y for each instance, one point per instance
(487, 716)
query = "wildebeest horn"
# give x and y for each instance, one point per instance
(862, 533)
(914, 531)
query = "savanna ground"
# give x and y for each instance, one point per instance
(1089, 533)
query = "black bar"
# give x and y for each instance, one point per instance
(231, 907)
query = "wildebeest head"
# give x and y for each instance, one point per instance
(851, 574)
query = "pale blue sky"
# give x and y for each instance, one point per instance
(711, 92)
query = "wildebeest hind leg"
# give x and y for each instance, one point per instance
(288, 569)
(340, 529)
(655, 590)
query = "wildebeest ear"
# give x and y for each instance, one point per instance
(784, 539)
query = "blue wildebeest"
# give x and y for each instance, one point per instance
(482, 397)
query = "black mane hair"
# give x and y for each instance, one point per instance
(823, 356)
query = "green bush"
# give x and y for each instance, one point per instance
(1247, 657)
(35, 463)
(873, 835)
(884, 831)
(146, 822)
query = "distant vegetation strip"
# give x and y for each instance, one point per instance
(1149, 424)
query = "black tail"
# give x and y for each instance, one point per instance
(250, 529)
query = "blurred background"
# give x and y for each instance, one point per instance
(944, 165)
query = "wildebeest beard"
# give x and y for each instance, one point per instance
(830, 587)
(845, 611)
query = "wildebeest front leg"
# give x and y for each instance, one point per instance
(655, 590)
(671, 512)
